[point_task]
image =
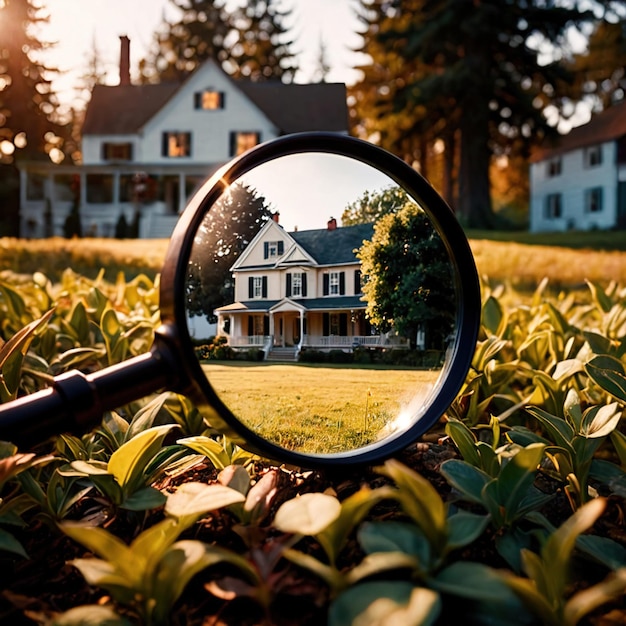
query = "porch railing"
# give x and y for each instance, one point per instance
(365, 341)
(249, 341)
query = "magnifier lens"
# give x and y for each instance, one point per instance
(323, 303)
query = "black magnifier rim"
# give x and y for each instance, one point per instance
(174, 276)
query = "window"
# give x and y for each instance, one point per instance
(35, 184)
(209, 100)
(257, 287)
(176, 144)
(593, 200)
(554, 167)
(553, 206)
(296, 285)
(334, 284)
(335, 324)
(593, 156)
(117, 151)
(240, 141)
(273, 249)
(357, 282)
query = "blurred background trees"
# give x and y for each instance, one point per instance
(462, 91)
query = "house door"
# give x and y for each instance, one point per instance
(621, 205)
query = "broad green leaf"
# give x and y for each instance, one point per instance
(420, 500)
(603, 301)
(600, 421)
(328, 573)
(385, 604)
(491, 315)
(8, 543)
(146, 416)
(128, 462)
(559, 431)
(307, 514)
(603, 550)
(392, 536)
(587, 600)
(619, 442)
(464, 528)
(608, 373)
(380, 562)
(572, 410)
(144, 500)
(464, 440)
(197, 499)
(212, 449)
(467, 479)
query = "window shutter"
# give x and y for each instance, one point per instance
(266, 249)
(197, 100)
(357, 282)
(303, 284)
(266, 325)
(264, 287)
(326, 325)
(288, 290)
(342, 283)
(222, 100)
(251, 287)
(233, 143)
(164, 144)
(281, 247)
(325, 287)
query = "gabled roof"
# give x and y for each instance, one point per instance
(608, 125)
(334, 247)
(125, 109)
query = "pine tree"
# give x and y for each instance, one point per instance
(470, 73)
(27, 101)
(248, 40)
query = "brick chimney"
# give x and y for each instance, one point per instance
(332, 223)
(124, 60)
(276, 217)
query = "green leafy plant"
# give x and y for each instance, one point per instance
(150, 574)
(546, 590)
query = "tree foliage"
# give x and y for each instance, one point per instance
(463, 72)
(371, 206)
(408, 278)
(226, 231)
(248, 40)
(27, 100)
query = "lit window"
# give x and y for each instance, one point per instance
(554, 208)
(176, 144)
(593, 156)
(209, 100)
(593, 200)
(241, 141)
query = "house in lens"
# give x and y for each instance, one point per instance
(147, 147)
(301, 290)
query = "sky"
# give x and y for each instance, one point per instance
(77, 26)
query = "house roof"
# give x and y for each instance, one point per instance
(608, 125)
(334, 247)
(309, 304)
(125, 109)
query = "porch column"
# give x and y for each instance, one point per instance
(182, 195)
(272, 326)
(301, 327)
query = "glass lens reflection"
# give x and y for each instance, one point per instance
(322, 302)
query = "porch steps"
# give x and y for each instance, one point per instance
(282, 354)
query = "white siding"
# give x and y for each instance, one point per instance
(574, 183)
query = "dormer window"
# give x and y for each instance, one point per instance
(273, 249)
(209, 100)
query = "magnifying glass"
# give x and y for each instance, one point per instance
(338, 283)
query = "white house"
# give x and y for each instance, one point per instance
(301, 289)
(580, 182)
(146, 148)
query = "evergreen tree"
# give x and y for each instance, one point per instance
(471, 72)
(248, 40)
(226, 231)
(27, 101)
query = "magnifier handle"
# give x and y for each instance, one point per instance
(75, 402)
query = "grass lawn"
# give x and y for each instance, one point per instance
(320, 409)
